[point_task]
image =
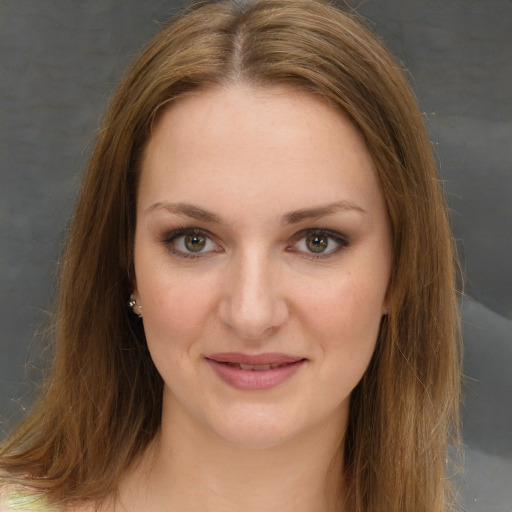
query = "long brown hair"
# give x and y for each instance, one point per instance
(101, 405)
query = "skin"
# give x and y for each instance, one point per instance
(249, 157)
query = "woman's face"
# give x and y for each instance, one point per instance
(262, 260)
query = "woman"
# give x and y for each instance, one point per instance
(263, 195)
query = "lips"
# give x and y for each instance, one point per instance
(254, 372)
(257, 359)
(255, 367)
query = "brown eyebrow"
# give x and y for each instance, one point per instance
(293, 217)
(186, 209)
(320, 211)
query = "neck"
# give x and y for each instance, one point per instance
(189, 469)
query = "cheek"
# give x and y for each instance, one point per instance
(348, 304)
(345, 322)
(175, 301)
(176, 316)
(176, 309)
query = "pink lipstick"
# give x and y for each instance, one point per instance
(254, 372)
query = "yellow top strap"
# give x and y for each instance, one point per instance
(20, 499)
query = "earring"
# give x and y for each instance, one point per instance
(131, 304)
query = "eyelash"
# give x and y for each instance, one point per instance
(340, 240)
(171, 238)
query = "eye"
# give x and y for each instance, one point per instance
(319, 242)
(190, 242)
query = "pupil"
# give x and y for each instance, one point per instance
(195, 243)
(317, 243)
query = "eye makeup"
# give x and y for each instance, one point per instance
(318, 243)
(190, 243)
(312, 243)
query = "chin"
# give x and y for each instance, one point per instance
(254, 436)
(260, 427)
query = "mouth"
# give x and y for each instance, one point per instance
(256, 367)
(255, 362)
(254, 372)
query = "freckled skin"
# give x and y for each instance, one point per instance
(251, 156)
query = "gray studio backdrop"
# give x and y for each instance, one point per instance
(59, 61)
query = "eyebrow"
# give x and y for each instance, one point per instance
(293, 217)
(320, 211)
(186, 209)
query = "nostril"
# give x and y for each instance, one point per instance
(252, 304)
(253, 320)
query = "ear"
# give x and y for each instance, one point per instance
(135, 293)
(135, 298)
(133, 282)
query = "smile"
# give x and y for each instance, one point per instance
(256, 367)
(256, 373)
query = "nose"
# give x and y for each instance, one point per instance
(251, 305)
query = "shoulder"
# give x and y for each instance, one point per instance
(15, 498)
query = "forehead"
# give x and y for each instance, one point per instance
(244, 146)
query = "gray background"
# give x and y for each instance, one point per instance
(59, 61)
